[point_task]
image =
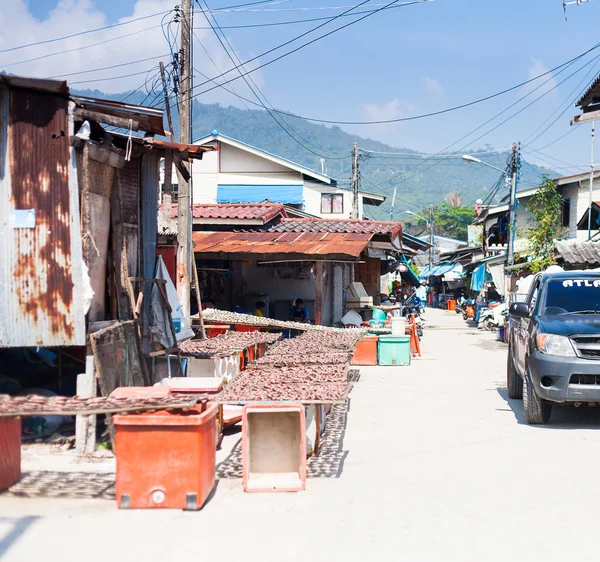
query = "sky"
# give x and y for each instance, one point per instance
(397, 63)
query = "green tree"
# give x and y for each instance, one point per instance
(452, 221)
(545, 224)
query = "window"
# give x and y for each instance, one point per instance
(332, 203)
(565, 212)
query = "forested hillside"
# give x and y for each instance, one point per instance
(420, 181)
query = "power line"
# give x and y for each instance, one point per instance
(572, 129)
(303, 45)
(81, 48)
(256, 90)
(83, 32)
(498, 115)
(107, 67)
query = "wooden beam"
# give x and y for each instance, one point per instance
(81, 114)
(586, 117)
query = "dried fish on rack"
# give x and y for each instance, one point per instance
(226, 317)
(298, 375)
(300, 360)
(255, 390)
(226, 343)
(35, 405)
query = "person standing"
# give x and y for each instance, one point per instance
(298, 312)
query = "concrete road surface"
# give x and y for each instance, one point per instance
(432, 462)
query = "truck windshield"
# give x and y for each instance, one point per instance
(572, 295)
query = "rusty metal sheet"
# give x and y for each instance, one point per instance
(40, 263)
(142, 118)
(309, 245)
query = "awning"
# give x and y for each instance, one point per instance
(409, 275)
(288, 194)
(290, 245)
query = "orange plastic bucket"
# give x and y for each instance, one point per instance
(166, 459)
(451, 304)
(365, 352)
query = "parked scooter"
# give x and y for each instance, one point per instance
(491, 318)
(460, 305)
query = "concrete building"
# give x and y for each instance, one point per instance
(240, 173)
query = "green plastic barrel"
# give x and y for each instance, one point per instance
(393, 350)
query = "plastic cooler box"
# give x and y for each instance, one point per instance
(274, 447)
(166, 459)
(394, 350)
(365, 352)
(10, 452)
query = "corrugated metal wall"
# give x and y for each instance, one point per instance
(40, 304)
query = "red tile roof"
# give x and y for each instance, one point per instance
(338, 225)
(235, 211)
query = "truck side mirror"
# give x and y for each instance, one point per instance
(519, 310)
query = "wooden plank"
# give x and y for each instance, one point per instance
(81, 114)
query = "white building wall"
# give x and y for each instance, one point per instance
(235, 160)
(583, 202)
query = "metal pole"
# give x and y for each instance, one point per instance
(431, 238)
(184, 202)
(393, 202)
(591, 185)
(510, 258)
(355, 181)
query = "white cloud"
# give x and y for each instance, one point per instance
(144, 39)
(547, 84)
(392, 110)
(433, 85)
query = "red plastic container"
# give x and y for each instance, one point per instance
(10, 452)
(451, 304)
(365, 352)
(165, 459)
(214, 331)
(242, 328)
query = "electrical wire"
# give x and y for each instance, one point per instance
(571, 130)
(257, 92)
(499, 114)
(107, 67)
(66, 51)
(112, 26)
(301, 46)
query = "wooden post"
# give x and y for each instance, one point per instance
(85, 426)
(198, 298)
(319, 293)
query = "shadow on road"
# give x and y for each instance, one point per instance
(64, 485)
(563, 416)
(17, 528)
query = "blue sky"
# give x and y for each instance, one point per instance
(397, 63)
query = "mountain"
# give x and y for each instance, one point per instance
(379, 173)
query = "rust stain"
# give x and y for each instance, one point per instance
(39, 159)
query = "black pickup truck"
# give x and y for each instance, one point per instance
(554, 343)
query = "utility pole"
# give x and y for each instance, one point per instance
(355, 181)
(393, 203)
(431, 238)
(184, 200)
(514, 167)
(167, 104)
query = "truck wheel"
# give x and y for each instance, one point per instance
(514, 382)
(537, 410)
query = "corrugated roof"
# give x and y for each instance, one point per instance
(338, 225)
(579, 254)
(296, 245)
(234, 211)
(136, 117)
(590, 95)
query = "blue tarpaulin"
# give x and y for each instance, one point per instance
(478, 278)
(287, 194)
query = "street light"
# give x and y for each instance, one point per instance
(418, 216)
(471, 159)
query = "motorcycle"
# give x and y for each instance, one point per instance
(460, 305)
(491, 318)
